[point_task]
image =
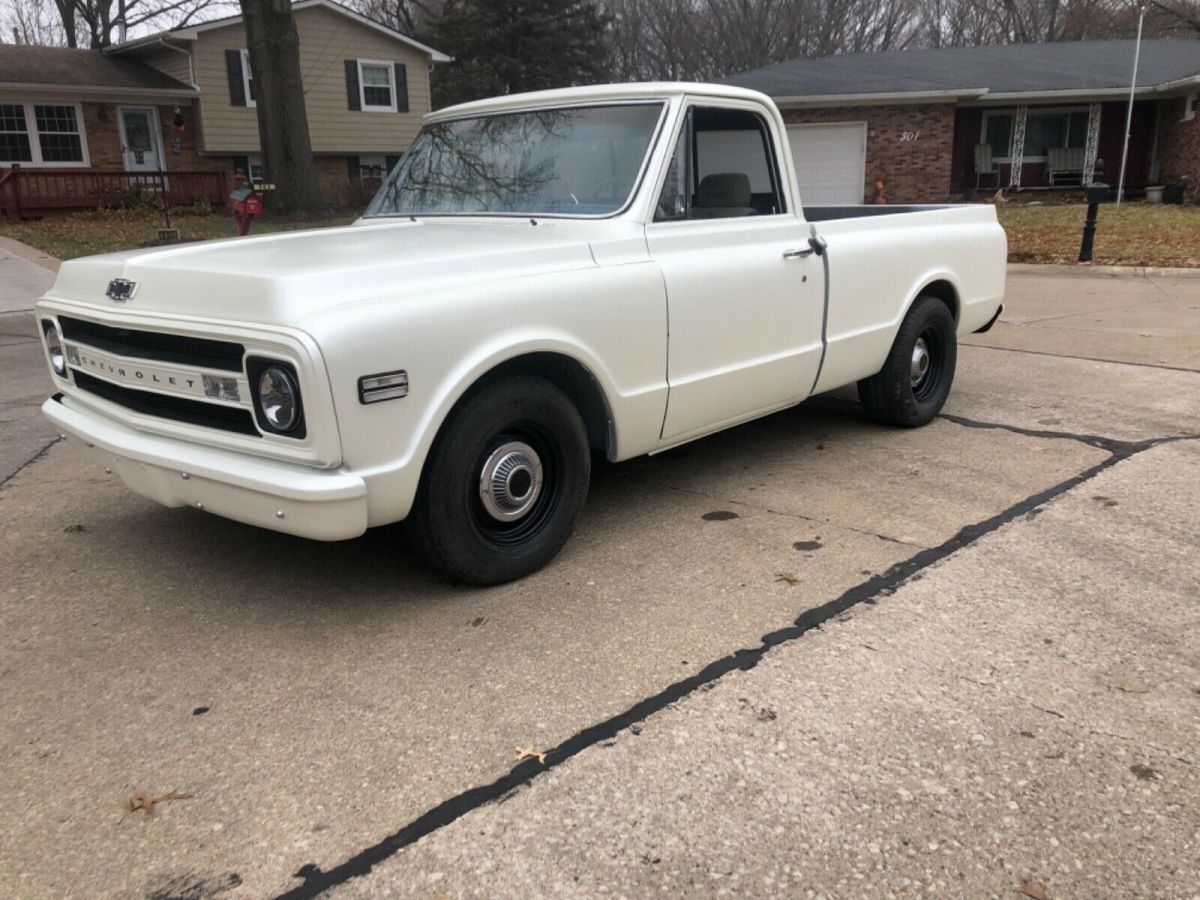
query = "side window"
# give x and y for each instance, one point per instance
(673, 201)
(724, 167)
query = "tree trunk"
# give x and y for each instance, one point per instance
(274, 48)
(66, 14)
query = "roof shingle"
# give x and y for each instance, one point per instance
(21, 64)
(1036, 68)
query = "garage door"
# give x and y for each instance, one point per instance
(830, 162)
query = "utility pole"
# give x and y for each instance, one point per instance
(1137, 52)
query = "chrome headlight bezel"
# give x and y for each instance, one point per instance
(285, 382)
(56, 351)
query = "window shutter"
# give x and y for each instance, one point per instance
(352, 98)
(353, 168)
(401, 88)
(237, 86)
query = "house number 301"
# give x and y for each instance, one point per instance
(909, 137)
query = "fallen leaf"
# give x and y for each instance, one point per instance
(143, 801)
(524, 753)
(1032, 889)
(787, 578)
(70, 529)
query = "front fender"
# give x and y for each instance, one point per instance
(612, 321)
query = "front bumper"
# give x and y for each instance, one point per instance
(294, 499)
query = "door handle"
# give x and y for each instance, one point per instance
(816, 245)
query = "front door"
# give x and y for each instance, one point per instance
(141, 139)
(745, 310)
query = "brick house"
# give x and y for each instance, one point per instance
(84, 124)
(932, 125)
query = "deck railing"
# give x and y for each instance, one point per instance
(34, 192)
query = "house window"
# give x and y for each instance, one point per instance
(257, 173)
(377, 91)
(14, 135)
(1189, 107)
(997, 133)
(372, 168)
(248, 79)
(1044, 129)
(42, 134)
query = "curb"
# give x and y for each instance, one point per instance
(1105, 271)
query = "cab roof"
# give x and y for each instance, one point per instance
(646, 90)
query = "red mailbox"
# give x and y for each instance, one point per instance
(246, 205)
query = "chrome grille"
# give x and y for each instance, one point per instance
(179, 349)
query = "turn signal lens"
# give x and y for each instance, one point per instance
(218, 388)
(385, 386)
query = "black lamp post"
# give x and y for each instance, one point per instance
(1097, 193)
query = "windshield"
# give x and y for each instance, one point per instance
(575, 161)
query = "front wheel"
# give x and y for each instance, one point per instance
(915, 380)
(504, 484)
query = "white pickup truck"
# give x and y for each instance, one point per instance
(614, 269)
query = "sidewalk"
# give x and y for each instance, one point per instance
(25, 274)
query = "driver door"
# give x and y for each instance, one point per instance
(745, 301)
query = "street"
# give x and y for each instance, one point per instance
(810, 654)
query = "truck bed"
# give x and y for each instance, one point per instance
(830, 213)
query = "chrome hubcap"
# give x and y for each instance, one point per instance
(920, 362)
(510, 481)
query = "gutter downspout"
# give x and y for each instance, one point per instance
(191, 60)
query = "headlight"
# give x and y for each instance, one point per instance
(279, 398)
(54, 347)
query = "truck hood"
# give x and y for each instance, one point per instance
(278, 279)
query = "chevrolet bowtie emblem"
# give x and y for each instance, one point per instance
(121, 289)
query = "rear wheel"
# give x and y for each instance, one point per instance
(915, 380)
(504, 484)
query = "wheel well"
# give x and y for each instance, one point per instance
(570, 377)
(945, 292)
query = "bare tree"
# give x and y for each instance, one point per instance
(700, 39)
(1176, 14)
(410, 17)
(94, 23)
(33, 22)
(274, 48)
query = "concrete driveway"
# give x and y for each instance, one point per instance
(25, 274)
(809, 654)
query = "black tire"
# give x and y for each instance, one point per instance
(900, 394)
(451, 524)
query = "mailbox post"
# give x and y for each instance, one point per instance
(1097, 193)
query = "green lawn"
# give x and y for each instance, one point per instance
(1134, 234)
(102, 231)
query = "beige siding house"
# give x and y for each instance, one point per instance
(182, 102)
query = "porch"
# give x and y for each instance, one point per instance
(1052, 147)
(29, 193)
